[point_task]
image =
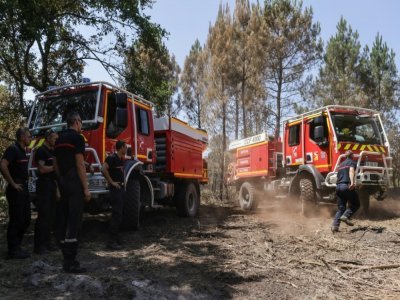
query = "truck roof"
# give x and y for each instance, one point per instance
(332, 108)
(255, 139)
(94, 84)
(180, 126)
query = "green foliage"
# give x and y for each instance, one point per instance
(193, 85)
(10, 118)
(294, 48)
(152, 73)
(339, 80)
(43, 44)
(380, 79)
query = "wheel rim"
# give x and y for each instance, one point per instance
(191, 202)
(246, 196)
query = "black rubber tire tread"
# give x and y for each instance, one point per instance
(183, 208)
(364, 198)
(131, 212)
(307, 197)
(247, 190)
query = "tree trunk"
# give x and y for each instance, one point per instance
(244, 109)
(221, 184)
(278, 103)
(198, 112)
(20, 92)
(237, 116)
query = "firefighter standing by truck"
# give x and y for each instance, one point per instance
(46, 190)
(345, 192)
(113, 170)
(70, 167)
(14, 167)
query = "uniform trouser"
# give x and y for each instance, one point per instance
(19, 211)
(69, 215)
(46, 204)
(117, 203)
(344, 197)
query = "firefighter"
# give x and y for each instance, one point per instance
(46, 190)
(14, 167)
(69, 165)
(113, 170)
(345, 192)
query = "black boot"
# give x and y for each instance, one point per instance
(71, 265)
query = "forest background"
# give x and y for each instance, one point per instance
(261, 62)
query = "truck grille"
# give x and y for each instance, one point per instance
(374, 177)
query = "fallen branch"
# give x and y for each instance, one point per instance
(310, 262)
(334, 269)
(351, 262)
(382, 267)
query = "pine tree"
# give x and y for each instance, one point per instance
(383, 81)
(193, 84)
(247, 64)
(339, 80)
(152, 73)
(219, 52)
(294, 49)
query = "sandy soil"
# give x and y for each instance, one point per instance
(224, 253)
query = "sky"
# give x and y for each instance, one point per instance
(188, 20)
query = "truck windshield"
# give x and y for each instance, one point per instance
(51, 111)
(359, 129)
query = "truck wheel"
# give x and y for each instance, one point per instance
(187, 201)
(247, 197)
(307, 197)
(131, 212)
(363, 196)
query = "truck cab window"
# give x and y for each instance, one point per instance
(143, 121)
(294, 135)
(112, 130)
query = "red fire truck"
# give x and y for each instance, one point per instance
(304, 162)
(164, 164)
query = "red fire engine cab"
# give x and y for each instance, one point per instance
(305, 162)
(164, 165)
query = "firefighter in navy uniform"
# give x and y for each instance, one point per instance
(114, 173)
(345, 192)
(46, 191)
(69, 165)
(14, 167)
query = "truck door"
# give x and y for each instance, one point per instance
(293, 146)
(317, 143)
(116, 121)
(145, 132)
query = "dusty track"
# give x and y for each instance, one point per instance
(224, 253)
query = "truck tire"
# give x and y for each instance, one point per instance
(247, 197)
(363, 196)
(187, 200)
(307, 197)
(131, 212)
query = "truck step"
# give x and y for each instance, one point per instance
(161, 153)
(161, 147)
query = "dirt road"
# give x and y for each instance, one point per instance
(223, 254)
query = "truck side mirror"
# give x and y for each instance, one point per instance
(319, 136)
(121, 117)
(319, 120)
(121, 99)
